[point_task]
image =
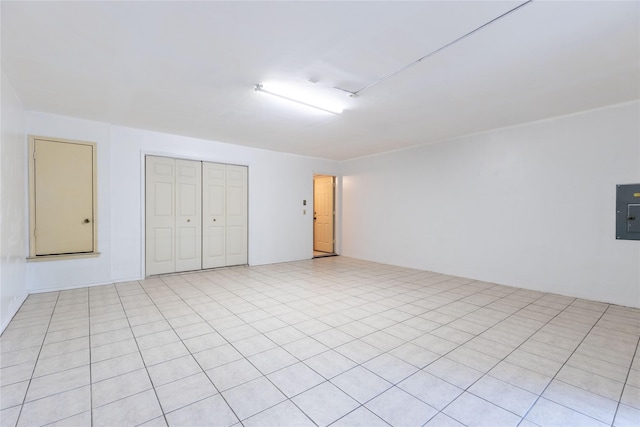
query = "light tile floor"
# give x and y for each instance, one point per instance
(331, 341)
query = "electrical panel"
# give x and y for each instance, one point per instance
(628, 212)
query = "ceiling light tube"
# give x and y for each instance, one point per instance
(260, 88)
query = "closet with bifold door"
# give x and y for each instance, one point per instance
(196, 215)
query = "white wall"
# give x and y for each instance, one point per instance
(13, 211)
(531, 206)
(278, 231)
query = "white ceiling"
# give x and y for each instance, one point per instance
(189, 68)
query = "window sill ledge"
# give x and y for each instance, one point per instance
(62, 257)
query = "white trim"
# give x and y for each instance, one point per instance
(66, 288)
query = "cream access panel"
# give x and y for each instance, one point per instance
(224, 215)
(173, 215)
(63, 198)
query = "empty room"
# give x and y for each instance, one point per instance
(319, 213)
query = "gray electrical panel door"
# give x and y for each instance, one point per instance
(628, 212)
(633, 218)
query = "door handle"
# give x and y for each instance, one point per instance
(86, 221)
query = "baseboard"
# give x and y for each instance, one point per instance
(67, 288)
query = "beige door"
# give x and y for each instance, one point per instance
(63, 197)
(323, 213)
(160, 215)
(213, 215)
(236, 210)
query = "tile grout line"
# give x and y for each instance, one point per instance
(330, 327)
(407, 341)
(563, 365)
(298, 361)
(188, 349)
(90, 357)
(388, 352)
(458, 345)
(465, 342)
(625, 382)
(143, 362)
(505, 357)
(461, 297)
(56, 372)
(63, 391)
(479, 334)
(251, 363)
(37, 359)
(68, 369)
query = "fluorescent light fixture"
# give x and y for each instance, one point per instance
(299, 98)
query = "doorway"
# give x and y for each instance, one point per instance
(323, 215)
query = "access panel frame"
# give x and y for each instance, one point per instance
(628, 212)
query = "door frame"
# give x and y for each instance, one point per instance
(32, 199)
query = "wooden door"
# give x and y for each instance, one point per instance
(323, 214)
